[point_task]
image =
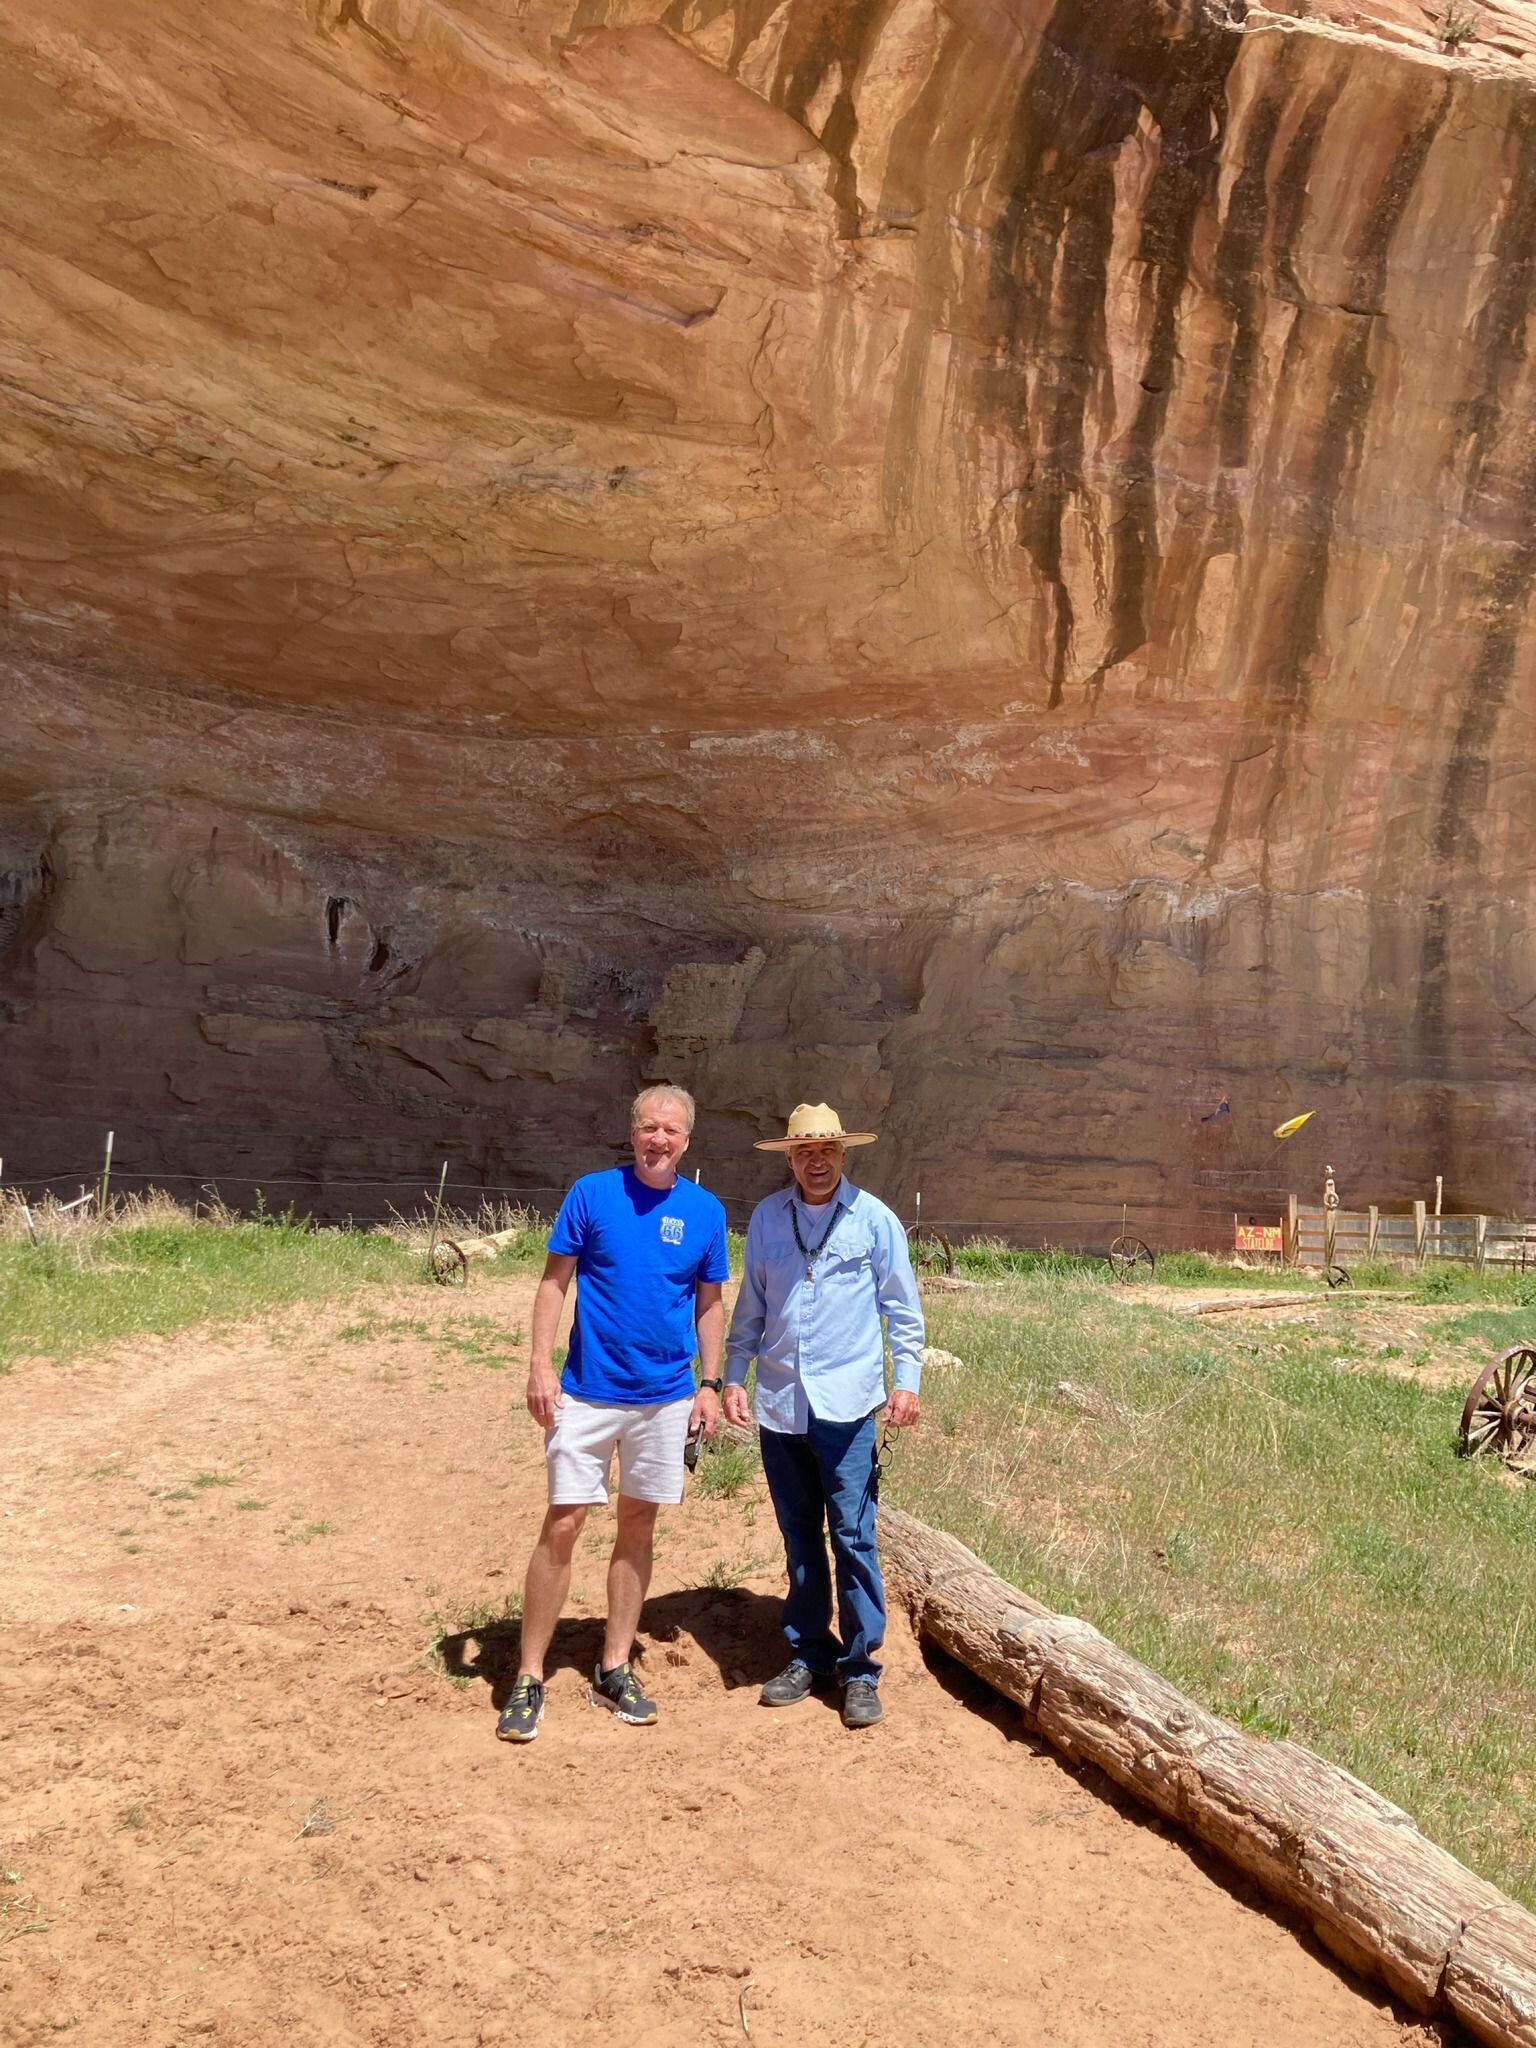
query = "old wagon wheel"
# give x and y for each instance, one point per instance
(1131, 1258)
(1500, 1414)
(1336, 1277)
(448, 1264)
(931, 1253)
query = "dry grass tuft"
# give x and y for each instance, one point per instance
(414, 1232)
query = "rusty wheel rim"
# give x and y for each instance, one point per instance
(1500, 1411)
(1131, 1258)
(450, 1268)
(931, 1252)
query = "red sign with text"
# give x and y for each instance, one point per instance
(1261, 1237)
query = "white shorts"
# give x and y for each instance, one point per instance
(579, 1450)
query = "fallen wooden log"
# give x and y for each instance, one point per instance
(1386, 1900)
(1295, 1299)
(485, 1247)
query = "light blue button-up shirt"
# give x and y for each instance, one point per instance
(818, 1341)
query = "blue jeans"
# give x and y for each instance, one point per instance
(824, 1483)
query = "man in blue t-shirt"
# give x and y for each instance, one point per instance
(647, 1251)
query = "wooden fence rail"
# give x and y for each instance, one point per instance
(1315, 1236)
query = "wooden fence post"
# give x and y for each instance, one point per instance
(1370, 1243)
(1482, 1242)
(1291, 1244)
(1418, 1232)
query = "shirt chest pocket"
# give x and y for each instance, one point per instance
(848, 1262)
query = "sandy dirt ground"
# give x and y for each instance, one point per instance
(243, 1803)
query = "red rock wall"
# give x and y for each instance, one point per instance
(974, 560)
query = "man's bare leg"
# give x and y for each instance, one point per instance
(548, 1582)
(629, 1575)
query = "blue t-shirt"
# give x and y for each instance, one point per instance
(640, 1253)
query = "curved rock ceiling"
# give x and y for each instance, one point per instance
(969, 559)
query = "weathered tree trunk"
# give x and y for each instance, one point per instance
(1384, 1899)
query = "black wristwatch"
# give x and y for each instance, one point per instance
(714, 1386)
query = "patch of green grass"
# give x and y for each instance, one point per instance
(1297, 1545)
(59, 1299)
(1492, 1329)
(1376, 1273)
(724, 1468)
(991, 1258)
(482, 1610)
(1495, 1287)
(249, 1507)
(310, 1531)
(482, 1340)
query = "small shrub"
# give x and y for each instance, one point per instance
(1376, 1272)
(1459, 24)
(724, 1469)
(1265, 1713)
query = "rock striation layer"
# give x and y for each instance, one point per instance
(972, 560)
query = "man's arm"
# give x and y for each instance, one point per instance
(748, 1320)
(709, 1322)
(544, 1395)
(901, 1306)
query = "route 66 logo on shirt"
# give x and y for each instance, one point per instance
(671, 1229)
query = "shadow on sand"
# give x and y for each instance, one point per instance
(736, 1629)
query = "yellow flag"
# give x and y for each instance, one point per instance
(1288, 1130)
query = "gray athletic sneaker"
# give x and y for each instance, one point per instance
(521, 1716)
(861, 1704)
(796, 1682)
(619, 1691)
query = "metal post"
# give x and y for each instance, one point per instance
(437, 1210)
(106, 1176)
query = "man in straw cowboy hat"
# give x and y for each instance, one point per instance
(826, 1265)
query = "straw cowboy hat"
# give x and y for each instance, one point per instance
(813, 1123)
